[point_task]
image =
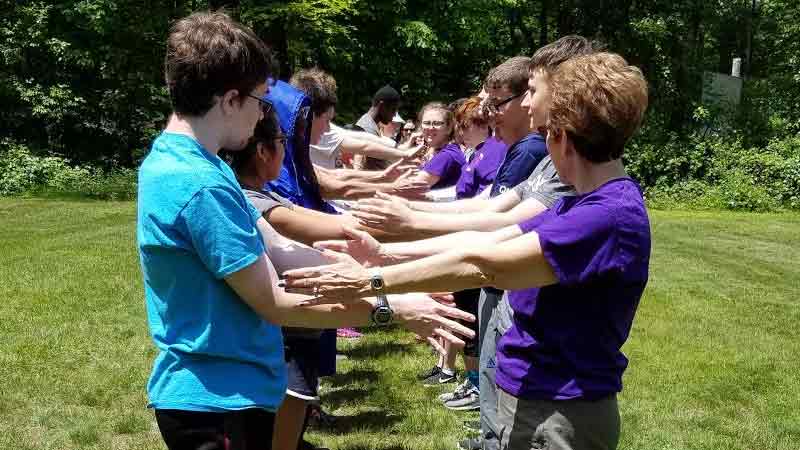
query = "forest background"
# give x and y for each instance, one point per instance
(82, 91)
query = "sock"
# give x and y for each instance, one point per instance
(472, 376)
(448, 372)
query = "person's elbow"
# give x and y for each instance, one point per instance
(480, 269)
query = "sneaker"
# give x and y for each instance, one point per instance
(348, 333)
(471, 444)
(439, 379)
(433, 371)
(305, 445)
(472, 425)
(459, 391)
(319, 419)
(467, 401)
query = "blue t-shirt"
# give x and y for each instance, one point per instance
(195, 227)
(521, 158)
(566, 338)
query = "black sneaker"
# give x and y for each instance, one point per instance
(319, 419)
(439, 379)
(471, 444)
(433, 371)
(305, 445)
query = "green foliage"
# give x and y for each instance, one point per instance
(81, 79)
(21, 172)
(720, 173)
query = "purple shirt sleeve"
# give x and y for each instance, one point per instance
(440, 164)
(580, 244)
(446, 165)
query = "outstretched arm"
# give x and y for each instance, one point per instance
(500, 203)
(514, 264)
(256, 285)
(392, 214)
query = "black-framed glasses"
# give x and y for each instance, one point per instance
(266, 105)
(507, 100)
(433, 123)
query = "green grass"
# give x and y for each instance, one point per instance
(715, 349)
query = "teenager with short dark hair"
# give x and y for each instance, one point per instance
(212, 296)
(385, 104)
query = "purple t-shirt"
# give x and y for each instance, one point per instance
(565, 339)
(479, 172)
(446, 164)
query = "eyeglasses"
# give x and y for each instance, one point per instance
(433, 123)
(498, 104)
(266, 105)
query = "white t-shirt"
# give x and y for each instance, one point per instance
(328, 152)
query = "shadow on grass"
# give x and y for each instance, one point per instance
(353, 376)
(338, 398)
(365, 350)
(366, 420)
(362, 447)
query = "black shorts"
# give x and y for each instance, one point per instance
(467, 301)
(191, 430)
(302, 362)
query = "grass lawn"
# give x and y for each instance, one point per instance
(715, 349)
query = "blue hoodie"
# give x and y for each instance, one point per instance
(295, 183)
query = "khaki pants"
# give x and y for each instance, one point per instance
(557, 425)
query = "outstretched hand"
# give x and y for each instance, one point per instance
(344, 281)
(432, 320)
(360, 245)
(400, 168)
(384, 212)
(409, 186)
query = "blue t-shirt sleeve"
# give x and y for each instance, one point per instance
(519, 165)
(580, 244)
(221, 227)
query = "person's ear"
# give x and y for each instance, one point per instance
(230, 100)
(262, 152)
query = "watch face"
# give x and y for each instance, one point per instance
(383, 315)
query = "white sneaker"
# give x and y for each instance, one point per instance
(469, 401)
(459, 391)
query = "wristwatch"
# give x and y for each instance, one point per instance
(382, 313)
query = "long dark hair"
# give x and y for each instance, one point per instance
(265, 132)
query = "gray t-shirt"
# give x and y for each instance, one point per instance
(368, 124)
(544, 184)
(265, 202)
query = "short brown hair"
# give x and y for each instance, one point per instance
(319, 86)
(209, 54)
(550, 56)
(469, 113)
(599, 101)
(512, 74)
